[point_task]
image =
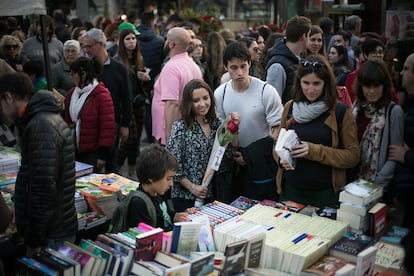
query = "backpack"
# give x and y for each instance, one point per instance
(119, 221)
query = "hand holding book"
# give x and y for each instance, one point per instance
(288, 147)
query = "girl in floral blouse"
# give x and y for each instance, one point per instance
(191, 142)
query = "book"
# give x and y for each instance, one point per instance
(202, 263)
(377, 220)
(361, 192)
(355, 221)
(185, 237)
(117, 258)
(61, 266)
(235, 257)
(205, 239)
(365, 262)
(285, 141)
(290, 205)
(346, 270)
(389, 256)
(113, 182)
(82, 169)
(255, 250)
(395, 235)
(98, 251)
(86, 260)
(76, 265)
(361, 210)
(325, 266)
(244, 203)
(350, 245)
(166, 236)
(127, 251)
(28, 267)
(148, 244)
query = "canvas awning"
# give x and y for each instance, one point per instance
(22, 7)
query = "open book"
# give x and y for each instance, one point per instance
(285, 141)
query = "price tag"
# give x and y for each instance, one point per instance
(218, 156)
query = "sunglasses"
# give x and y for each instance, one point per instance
(11, 46)
(312, 64)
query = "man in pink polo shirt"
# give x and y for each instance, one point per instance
(168, 88)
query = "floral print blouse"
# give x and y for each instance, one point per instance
(192, 149)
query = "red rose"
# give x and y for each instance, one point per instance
(232, 126)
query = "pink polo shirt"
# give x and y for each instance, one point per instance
(175, 74)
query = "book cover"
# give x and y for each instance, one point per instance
(350, 245)
(244, 203)
(148, 244)
(82, 169)
(285, 141)
(166, 236)
(63, 268)
(395, 235)
(98, 251)
(346, 270)
(290, 205)
(325, 266)
(205, 239)
(185, 237)
(29, 266)
(361, 192)
(126, 250)
(86, 260)
(117, 258)
(361, 210)
(235, 257)
(76, 265)
(255, 250)
(389, 256)
(365, 263)
(113, 182)
(377, 220)
(202, 264)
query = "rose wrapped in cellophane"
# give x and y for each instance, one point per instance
(225, 134)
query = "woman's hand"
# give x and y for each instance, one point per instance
(143, 76)
(397, 153)
(199, 191)
(235, 117)
(300, 150)
(286, 165)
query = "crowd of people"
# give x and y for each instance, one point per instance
(112, 80)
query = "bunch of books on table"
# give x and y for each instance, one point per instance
(9, 165)
(360, 207)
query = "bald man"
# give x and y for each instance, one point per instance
(168, 88)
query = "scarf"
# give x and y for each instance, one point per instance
(370, 144)
(304, 112)
(76, 104)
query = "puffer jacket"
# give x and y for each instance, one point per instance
(97, 128)
(45, 184)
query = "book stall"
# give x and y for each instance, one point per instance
(246, 237)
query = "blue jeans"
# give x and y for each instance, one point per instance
(55, 243)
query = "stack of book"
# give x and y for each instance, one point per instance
(100, 201)
(9, 165)
(114, 183)
(356, 200)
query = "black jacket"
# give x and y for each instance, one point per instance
(45, 184)
(152, 49)
(280, 53)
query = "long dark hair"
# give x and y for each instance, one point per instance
(319, 65)
(373, 73)
(123, 54)
(187, 102)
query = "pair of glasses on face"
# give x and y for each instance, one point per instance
(9, 47)
(312, 64)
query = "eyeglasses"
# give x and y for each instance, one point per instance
(313, 64)
(85, 46)
(15, 46)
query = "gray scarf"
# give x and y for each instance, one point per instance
(305, 112)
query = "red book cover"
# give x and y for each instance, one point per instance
(377, 220)
(148, 244)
